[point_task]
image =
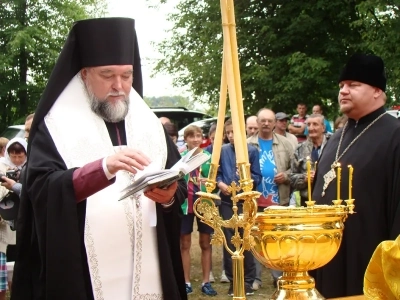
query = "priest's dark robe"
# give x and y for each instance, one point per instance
(51, 256)
(375, 157)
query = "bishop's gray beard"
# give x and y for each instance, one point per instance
(110, 112)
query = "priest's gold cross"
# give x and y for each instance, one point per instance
(328, 178)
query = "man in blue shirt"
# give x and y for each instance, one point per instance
(275, 153)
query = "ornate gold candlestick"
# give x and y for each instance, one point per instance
(205, 209)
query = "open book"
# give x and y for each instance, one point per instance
(147, 180)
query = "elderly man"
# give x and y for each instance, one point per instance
(75, 240)
(317, 110)
(251, 125)
(312, 149)
(276, 153)
(370, 142)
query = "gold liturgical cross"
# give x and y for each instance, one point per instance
(328, 177)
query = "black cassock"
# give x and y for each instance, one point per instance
(375, 157)
(51, 257)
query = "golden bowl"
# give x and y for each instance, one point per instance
(296, 240)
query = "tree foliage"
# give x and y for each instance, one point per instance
(31, 37)
(169, 101)
(380, 26)
(289, 51)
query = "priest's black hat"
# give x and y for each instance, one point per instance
(90, 43)
(365, 68)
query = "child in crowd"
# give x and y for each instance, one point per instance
(193, 136)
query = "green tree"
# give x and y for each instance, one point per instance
(380, 27)
(31, 37)
(169, 101)
(289, 51)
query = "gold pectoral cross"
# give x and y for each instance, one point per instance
(328, 178)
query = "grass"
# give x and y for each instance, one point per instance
(266, 290)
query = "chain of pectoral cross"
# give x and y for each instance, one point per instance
(331, 174)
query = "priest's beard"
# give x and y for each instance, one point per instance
(112, 112)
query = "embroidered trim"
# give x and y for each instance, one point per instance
(93, 265)
(130, 223)
(374, 294)
(139, 249)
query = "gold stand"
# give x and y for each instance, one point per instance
(296, 285)
(296, 240)
(208, 213)
(238, 275)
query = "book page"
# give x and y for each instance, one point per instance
(195, 162)
(150, 177)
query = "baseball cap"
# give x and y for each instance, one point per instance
(281, 116)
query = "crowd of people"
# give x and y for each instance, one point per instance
(76, 240)
(279, 147)
(13, 157)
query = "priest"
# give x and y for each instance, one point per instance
(370, 142)
(92, 133)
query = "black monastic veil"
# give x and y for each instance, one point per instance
(51, 257)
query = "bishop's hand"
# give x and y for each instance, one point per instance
(164, 195)
(127, 159)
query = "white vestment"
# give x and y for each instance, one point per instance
(121, 245)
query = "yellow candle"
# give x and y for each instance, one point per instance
(350, 181)
(308, 163)
(240, 142)
(339, 171)
(235, 63)
(219, 132)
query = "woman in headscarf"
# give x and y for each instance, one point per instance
(10, 169)
(15, 155)
(14, 159)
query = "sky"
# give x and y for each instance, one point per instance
(151, 27)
